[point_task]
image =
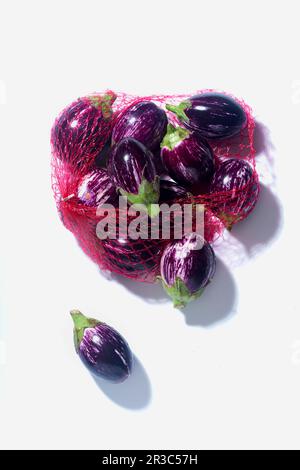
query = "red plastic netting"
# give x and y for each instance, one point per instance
(139, 259)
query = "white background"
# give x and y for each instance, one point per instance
(226, 374)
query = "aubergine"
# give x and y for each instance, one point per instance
(130, 257)
(171, 191)
(213, 115)
(236, 190)
(80, 132)
(158, 163)
(143, 121)
(188, 158)
(101, 348)
(96, 188)
(187, 267)
(133, 171)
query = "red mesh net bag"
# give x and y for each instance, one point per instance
(80, 143)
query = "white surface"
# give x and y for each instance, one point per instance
(226, 374)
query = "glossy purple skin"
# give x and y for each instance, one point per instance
(102, 158)
(158, 163)
(190, 162)
(105, 353)
(214, 116)
(129, 163)
(79, 133)
(195, 267)
(170, 191)
(96, 188)
(145, 122)
(133, 256)
(236, 176)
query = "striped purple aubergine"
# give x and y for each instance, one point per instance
(188, 158)
(237, 181)
(213, 115)
(101, 348)
(133, 171)
(80, 132)
(143, 121)
(187, 266)
(96, 188)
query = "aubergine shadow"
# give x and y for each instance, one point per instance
(263, 224)
(262, 141)
(134, 393)
(217, 303)
(151, 293)
(264, 147)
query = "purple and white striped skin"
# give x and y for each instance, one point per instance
(101, 348)
(143, 121)
(134, 174)
(213, 115)
(96, 188)
(187, 266)
(82, 129)
(236, 177)
(187, 158)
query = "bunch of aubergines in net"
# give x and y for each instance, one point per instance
(151, 161)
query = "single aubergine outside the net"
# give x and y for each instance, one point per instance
(187, 266)
(132, 169)
(82, 129)
(143, 121)
(101, 348)
(213, 115)
(188, 158)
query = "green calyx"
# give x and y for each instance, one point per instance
(179, 109)
(180, 294)
(173, 136)
(80, 324)
(104, 102)
(148, 196)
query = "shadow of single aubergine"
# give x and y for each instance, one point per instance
(134, 393)
(151, 293)
(263, 224)
(218, 301)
